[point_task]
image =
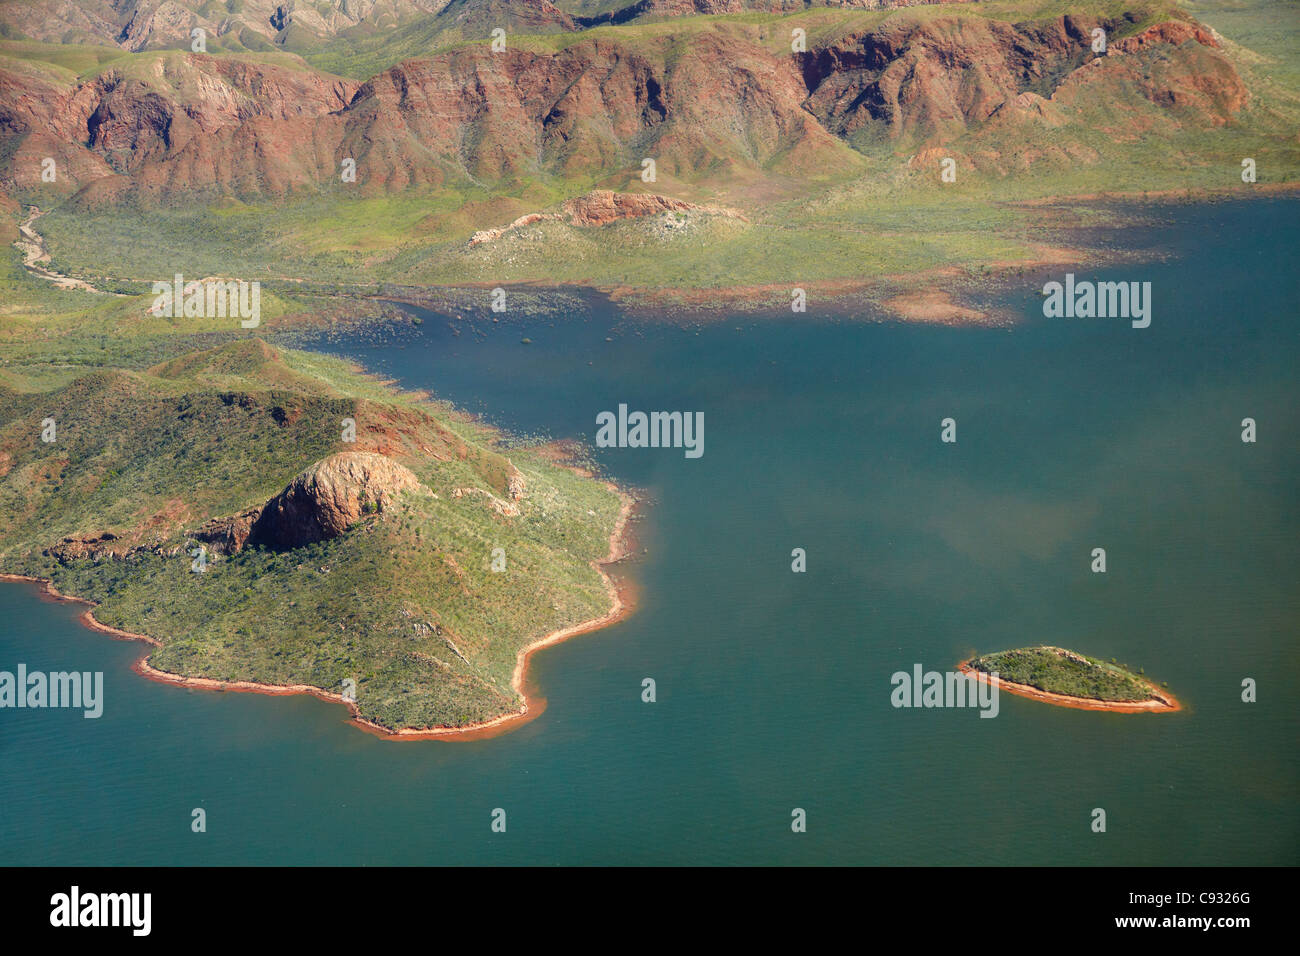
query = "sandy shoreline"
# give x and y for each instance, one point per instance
(532, 707)
(1167, 704)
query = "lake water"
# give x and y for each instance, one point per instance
(773, 687)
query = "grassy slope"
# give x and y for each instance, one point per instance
(1047, 670)
(165, 449)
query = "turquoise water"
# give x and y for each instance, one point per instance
(773, 687)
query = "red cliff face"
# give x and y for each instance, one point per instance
(183, 123)
(938, 77)
(601, 207)
(1174, 32)
(709, 104)
(592, 106)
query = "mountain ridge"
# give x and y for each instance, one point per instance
(188, 124)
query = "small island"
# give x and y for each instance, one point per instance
(1069, 679)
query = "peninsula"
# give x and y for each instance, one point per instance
(276, 521)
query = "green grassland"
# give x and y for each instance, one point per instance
(1075, 675)
(151, 455)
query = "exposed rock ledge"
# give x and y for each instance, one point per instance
(603, 206)
(1174, 32)
(228, 535)
(329, 497)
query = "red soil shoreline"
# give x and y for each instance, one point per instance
(1166, 704)
(621, 592)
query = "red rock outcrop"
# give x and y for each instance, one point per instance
(923, 78)
(105, 546)
(603, 206)
(600, 207)
(329, 497)
(1175, 32)
(933, 80)
(190, 122)
(228, 535)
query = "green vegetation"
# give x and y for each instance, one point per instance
(405, 603)
(1058, 671)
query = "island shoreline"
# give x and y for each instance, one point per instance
(1165, 703)
(621, 594)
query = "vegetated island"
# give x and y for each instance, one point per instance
(1068, 679)
(276, 521)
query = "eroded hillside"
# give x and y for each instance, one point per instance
(716, 104)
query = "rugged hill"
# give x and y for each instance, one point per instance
(324, 559)
(716, 104)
